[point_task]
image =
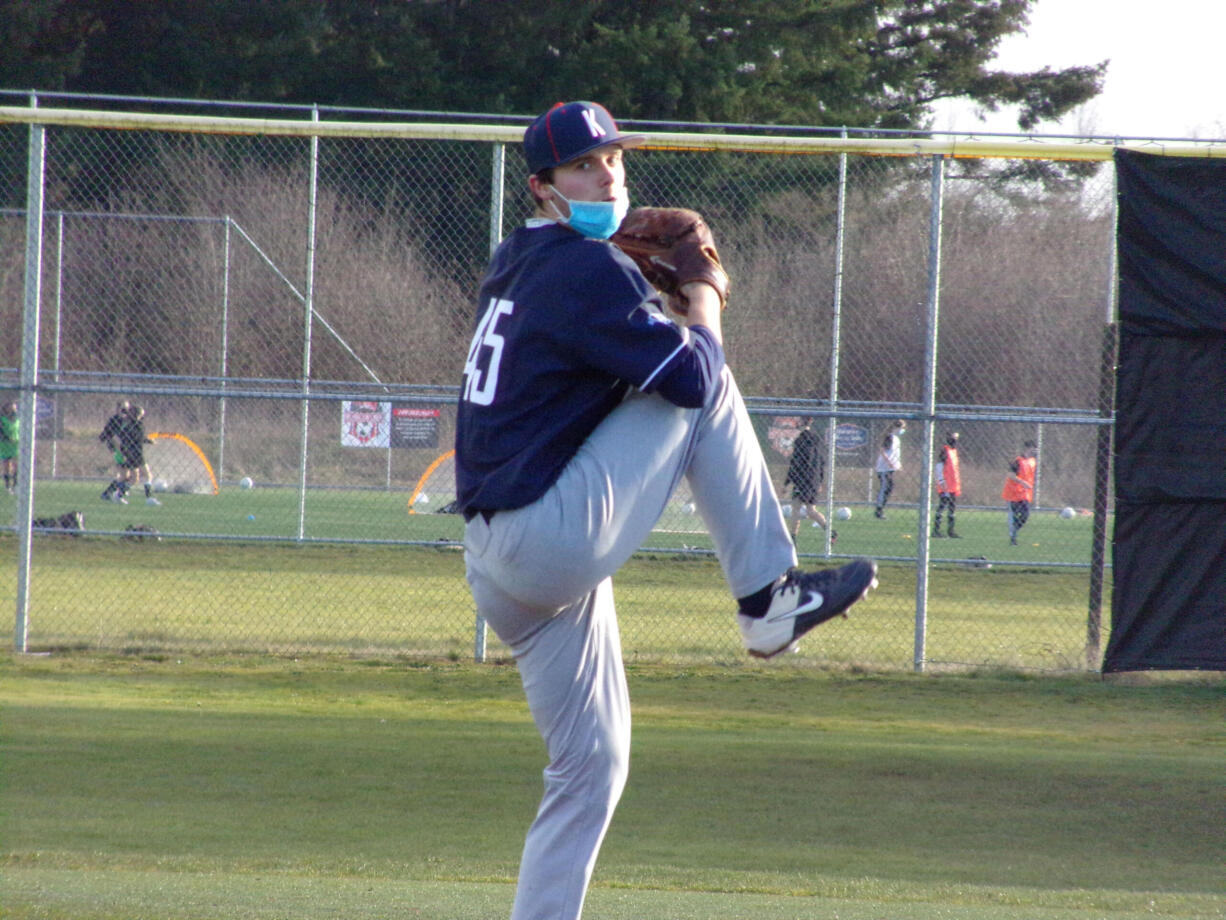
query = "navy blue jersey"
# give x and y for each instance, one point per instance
(566, 326)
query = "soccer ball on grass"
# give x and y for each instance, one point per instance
(843, 514)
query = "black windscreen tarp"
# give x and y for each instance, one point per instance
(1169, 561)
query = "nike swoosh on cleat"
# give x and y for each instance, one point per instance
(815, 601)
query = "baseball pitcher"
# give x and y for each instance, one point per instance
(583, 404)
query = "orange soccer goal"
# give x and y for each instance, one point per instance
(435, 489)
(179, 465)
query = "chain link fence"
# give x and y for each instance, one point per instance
(290, 303)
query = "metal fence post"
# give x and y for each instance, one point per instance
(308, 311)
(930, 389)
(35, 174)
(1102, 461)
(840, 238)
(498, 169)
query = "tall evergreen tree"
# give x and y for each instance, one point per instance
(855, 63)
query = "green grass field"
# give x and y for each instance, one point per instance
(359, 514)
(260, 513)
(185, 788)
(258, 590)
(292, 730)
(107, 593)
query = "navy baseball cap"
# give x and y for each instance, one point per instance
(570, 130)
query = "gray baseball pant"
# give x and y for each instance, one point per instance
(541, 578)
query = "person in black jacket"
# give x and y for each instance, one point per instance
(806, 474)
(110, 436)
(132, 446)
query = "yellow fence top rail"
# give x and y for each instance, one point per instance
(967, 145)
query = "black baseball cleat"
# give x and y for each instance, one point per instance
(803, 600)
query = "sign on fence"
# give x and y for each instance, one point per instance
(365, 424)
(851, 441)
(387, 424)
(413, 426)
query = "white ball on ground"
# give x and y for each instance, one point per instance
(245, 483)
(843, 514)
(688, 508)
(160, 485)
(422, 499)
(1067, 513)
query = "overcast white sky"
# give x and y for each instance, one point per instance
(1164, 80)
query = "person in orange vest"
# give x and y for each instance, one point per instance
(1019, 488)
(949, 484)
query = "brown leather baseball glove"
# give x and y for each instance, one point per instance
(672, 247)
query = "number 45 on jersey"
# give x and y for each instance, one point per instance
(480, 387)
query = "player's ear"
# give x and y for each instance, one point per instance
(541, 186)
(537, 189)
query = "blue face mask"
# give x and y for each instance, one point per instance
(596, 219)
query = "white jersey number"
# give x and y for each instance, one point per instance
(480, 388)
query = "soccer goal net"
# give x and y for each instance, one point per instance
(435, 488)
(177, 464)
